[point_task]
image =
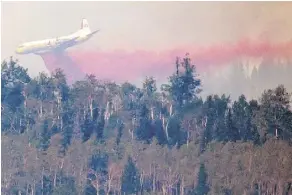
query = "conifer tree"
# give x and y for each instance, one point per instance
(120, 128)
(87, 128)
(45, 136)
(130, 178)
(232, 132)
(202, 186)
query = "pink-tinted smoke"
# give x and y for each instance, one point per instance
(128, 66)
(62, 60)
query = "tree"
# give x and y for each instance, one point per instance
(120, 128)
(208, 121)
(130, 178)
(14, 78)
(275, 109)
(87, 128)
(220, 106)
(149, 86)
(184, 85)
(68, 120)
(144, 129)
(99, 125)
(242, 118)
(45, 136)
(174, 130)
(98, 169)
(232, 132)
(202, 187)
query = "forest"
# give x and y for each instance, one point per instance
(102, 138)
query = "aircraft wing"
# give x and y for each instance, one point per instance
(66, 43)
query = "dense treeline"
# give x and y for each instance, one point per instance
(98, 137)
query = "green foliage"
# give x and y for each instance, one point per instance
(44, 141)
(66, 185)
(275, 108)
(68, 125)
(202, 186)
(44, 106)
(232, 133)
(65, 189)
(184, 86)
(130, 179)
(99, 162)
(120, 128)
(87, 128)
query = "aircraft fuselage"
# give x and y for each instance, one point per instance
(58, 43)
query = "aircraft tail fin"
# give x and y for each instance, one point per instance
(84, 24)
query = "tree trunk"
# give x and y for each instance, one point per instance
(131, 133)
(182, 187)
(91, 108)
(163, 189)
(43, 181)
(152, 113)
(41, 110)
(188, 138)
(27, 187)
(170, 110)
(154, 180)
(55, 178)
(166, 130)
(141, 181)
(109, 186)
(33, 188)
(97, 187)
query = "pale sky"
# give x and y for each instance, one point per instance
(142, 25)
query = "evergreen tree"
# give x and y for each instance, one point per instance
(130, 178)
(275, 109)
(232, 132)
(242, 118)
(220, 106)
(202, 186)
(14, 80)
(149, 86)
(209, 113)
(160, 133)
(68, 120)
(144, 130)
(184, 85)
(120, 128)
(176, 135)
(100, 126)
(44, 136)
(87, 127)
(60, 84)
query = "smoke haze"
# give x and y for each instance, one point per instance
(133, 43)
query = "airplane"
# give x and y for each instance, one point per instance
(58, 43)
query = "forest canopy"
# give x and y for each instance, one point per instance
(99, 137)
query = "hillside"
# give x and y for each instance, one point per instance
(98, 137)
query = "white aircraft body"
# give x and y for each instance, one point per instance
(58, 43)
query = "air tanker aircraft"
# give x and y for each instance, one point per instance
(58, 43)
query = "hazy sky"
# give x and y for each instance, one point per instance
(152, 26)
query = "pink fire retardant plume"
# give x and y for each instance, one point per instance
(123, 66)
(63, 61)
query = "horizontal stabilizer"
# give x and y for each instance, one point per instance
(91, 34)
